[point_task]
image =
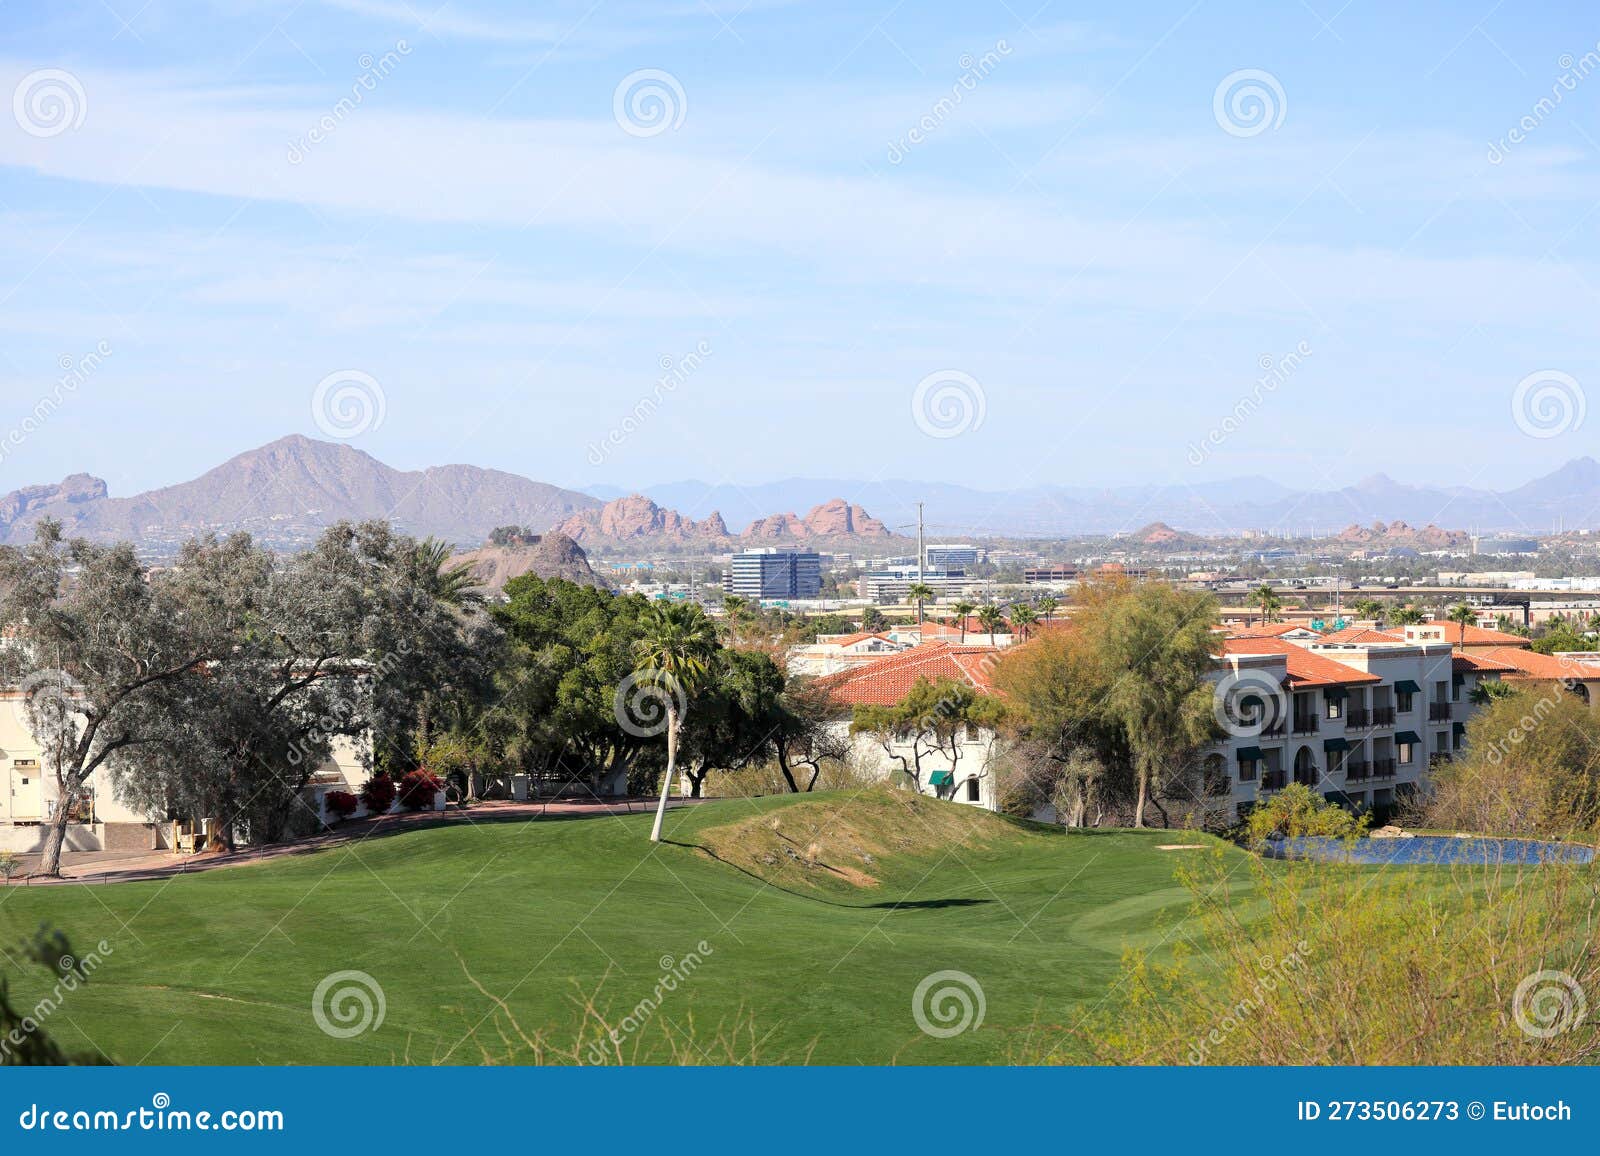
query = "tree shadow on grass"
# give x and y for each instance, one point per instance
(928, 904)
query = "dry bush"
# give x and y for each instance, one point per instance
(1328, 964)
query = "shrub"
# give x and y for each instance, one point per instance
(378, 794)
(418, 788)
(341, 803)
(1296, 811)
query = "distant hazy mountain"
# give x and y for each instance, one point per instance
(286, 492)
(1569, 497)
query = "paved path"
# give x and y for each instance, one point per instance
(133, 866)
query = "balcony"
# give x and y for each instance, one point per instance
(1383, 716)
(1438, 757)
(1305, 724)
(1439, 712)
(1356, 772)
(1273, 781)
(1383, 768)
(1358, 718)
(1275, 730)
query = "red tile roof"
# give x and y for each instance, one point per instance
(889, 679)
(1362, 634)
(1268, 630)
(1530, 664)
(1476, 635)
(1478, 662)
(1306, 668)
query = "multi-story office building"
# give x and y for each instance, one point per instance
(892, 584)
(772, 573)
(946, 555)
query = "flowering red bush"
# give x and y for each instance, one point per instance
(341, 803)
(378, 794)
(418, 788)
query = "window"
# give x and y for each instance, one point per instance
(1335, 707)
(1403, 754)
(972, 790)
(1402, 701)
(1247, 770)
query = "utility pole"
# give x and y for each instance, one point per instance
(920, 556)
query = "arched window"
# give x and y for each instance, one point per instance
(1305, 767)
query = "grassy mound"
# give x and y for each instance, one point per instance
(849, 842)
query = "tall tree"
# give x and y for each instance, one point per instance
(94, 639)
(963, 610)
(1023, 617)
(677, 646)
(1155, 647)
(992, 618)
(1265, 597)
(1463, 616)
(918, 594)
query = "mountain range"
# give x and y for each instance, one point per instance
(287, 491)
(1568, 498)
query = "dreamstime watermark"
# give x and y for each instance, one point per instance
(973, 70)
(1249, 102)
(1574, 70)
(1548, 403)
(649, 102)
(1276, 373)
(674, 973)
(348, 403)
(674, 373)
(72, 973)
(948, 403)
(642, 701)
(374, 70)
(1247, 703)
(347, 1004)
(48, 102)
(947, 1003)
(76, 372)
(1547, 1003)
(1273, 973)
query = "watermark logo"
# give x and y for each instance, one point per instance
(1249, 102)
(1276, 372)
(948, 403)
(674, 372)
(45, 698)
(675, 973)
(348, 403)
(649, 102)
(372, 72)
(1272, 972)
(347, 1004)
(947, 1003)
(1548, 403)
(49, 102)
(974, 69)
(1548, 1003)
(643, 699)
(1247, 702)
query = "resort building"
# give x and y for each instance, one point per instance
(774, 574)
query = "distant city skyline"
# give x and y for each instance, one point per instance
(630, 245)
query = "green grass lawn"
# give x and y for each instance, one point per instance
(220, 967)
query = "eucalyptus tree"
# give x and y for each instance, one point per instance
(93, 640)
(675, 653)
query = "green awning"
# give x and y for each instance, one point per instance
(1331, 745)
(1411, 737)
(1249, 754)
(939, 778)
(1406, 686)
(1460, 729)
(1335, 693)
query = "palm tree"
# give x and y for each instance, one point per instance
(1048, 605)
(1367, 608)
(450, 583)
(992, 619)
(1267, 598)
(1463, 616)
(677, 647)
(918, 593)
(962, 610)
(1023, 616)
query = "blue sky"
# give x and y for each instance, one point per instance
(1077, 269)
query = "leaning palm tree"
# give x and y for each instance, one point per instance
(1266, 597)
(992, 619)
(918, 594)
(675, 652)
(1463, 616)
(962, 611)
